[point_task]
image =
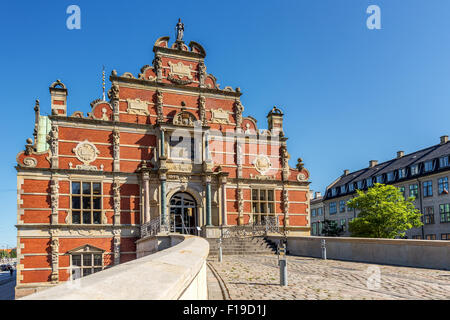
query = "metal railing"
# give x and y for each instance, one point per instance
(151, 228)
(269, 225)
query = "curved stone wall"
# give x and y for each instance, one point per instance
(178, 272)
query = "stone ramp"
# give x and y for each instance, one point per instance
(242, 246)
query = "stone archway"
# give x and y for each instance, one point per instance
(183, 213)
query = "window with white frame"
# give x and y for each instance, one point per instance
(390, 176)
(333, 209)
(414, 169)
(428, 189)
(443, 162)
(428, 166)
(413, 190)
(86, 202)
(443, 185)
(86, 260)
(351, 187)
(263, 204)
(369, 182)
(401, 173)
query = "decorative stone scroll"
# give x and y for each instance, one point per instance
(29, 162)
(137, 106)
(220, 116)
(180, 70)
(179, 167)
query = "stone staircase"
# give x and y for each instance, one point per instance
(241, 246)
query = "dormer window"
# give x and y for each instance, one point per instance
(359, 184)
(443, 162)
(343, 189)
(401, 173)
(428, 166)
(414, 169)
(379, 178)
(333, 192)
(390, 176)
(351, 187)
(369, 182)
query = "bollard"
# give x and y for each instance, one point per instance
(282, 262)
(324, 250)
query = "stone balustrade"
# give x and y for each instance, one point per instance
(178, 272)
(434, 254)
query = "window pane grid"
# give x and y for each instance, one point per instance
(86, 202)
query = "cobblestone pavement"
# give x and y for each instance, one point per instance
(257, 277)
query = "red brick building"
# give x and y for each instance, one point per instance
(170, 146)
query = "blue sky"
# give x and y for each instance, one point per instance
(350, 94)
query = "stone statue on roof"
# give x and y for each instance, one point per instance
(180, 30)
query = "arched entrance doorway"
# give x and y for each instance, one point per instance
(183, 213)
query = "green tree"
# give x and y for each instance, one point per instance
(331, 229)
(384, 213)
(13, 253)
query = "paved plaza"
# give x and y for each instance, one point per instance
(253, 277)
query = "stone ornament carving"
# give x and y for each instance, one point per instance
(157, 66)
(52, 139)
(116, 248)
(262, 164)
(300, 164)
(202, 107)
(238, 109)
(184, 118)
(54, 245)
(219, 116)
(262, 177)
(54, 199)
(285, 156)
(86, 152)
(301, 177)
(30, 162)
(116, 195)
(180, 70)
(116, 148)
(137, 106)
(113, 93)
(159, 106)
(285, 201)
(240, 202)
(179, 167)
(202, 74)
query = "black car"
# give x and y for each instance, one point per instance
(4, 267)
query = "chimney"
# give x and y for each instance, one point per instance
(317, 195)
(346, 172)
(400, 154)
(444, 139)
(275, 120)
(58, 93)
(373, 163)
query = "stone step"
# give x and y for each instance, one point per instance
(239, 246)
